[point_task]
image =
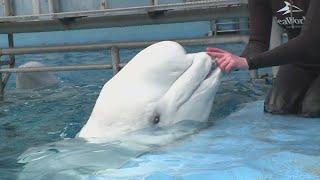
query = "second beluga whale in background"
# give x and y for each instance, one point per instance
(160, 86)
(34, 80)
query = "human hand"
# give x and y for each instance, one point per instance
(227, 61)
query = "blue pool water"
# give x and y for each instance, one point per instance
(37, 126)
(248, 144)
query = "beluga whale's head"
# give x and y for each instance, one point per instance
(160, 86)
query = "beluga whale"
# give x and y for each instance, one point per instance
(161, 96)
(160, 86)
(34, 80)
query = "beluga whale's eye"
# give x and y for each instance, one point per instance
(156, 119)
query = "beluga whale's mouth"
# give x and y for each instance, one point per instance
(208, 75)
(161, 84)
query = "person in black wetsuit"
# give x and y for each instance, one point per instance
(296, 90)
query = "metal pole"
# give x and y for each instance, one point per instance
(7, 7)
(60, 68)
(104, 4)
(12, 61)
(5, 77)
(154, 2)
(94, 47)
(53, 6)
(12, 58)
(36, 7)
(254, 74)
(115, 56)
(214, 27)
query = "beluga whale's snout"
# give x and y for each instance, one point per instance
(160, 86)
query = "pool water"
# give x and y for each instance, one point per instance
(248, 144)
(50, 117)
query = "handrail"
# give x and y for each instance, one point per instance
(60, 68)
(94, 47)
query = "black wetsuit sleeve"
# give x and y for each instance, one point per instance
(304, 49)
(260, 28)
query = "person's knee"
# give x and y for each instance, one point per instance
(311, 107)
(279, 106)
(276, 102)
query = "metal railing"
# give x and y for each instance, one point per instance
(154, 13)
(114, 47)
(115, 54)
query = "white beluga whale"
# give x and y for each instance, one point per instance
(34, 80)
(161, 96)
(160, 86)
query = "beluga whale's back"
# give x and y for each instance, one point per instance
(34, 80)
(160, 86)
